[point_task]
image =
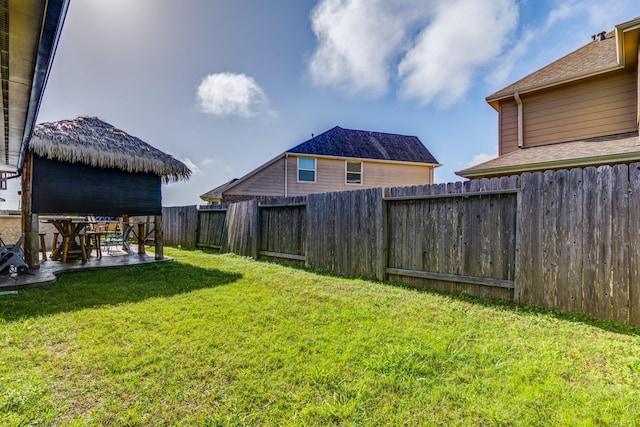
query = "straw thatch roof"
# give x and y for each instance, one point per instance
(90, 141)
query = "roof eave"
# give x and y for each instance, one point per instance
(52, 23)
(253, 172)
(553, 164)
(287, 153)
(211, 198)
(403, 162)
(620, 29)
(494, 100)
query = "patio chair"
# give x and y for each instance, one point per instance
(93, 237)
(119, 239)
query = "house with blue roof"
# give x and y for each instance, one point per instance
(336, 160)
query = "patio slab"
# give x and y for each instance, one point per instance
(48, 270)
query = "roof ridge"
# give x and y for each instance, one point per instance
(591, 57)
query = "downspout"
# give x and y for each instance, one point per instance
(516, 96)
(286, 161)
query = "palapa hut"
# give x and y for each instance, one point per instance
(88, 167)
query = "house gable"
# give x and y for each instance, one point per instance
(588, 95)
(266, 181)
(386, 160)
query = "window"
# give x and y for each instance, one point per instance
(306, 169)
(3, 179)
(353, 173)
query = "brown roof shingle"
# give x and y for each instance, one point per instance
(590, 58)
(619, 148)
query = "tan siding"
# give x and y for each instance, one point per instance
(330, 176)
(599, 106)
(267, 182)
(508, 127)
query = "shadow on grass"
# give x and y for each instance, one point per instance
(529, 310)
(91, 289)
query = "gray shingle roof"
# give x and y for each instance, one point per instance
(351, 143)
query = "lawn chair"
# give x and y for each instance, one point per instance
(119, 239)
(12, 258)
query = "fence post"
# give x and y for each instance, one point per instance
(255, 226)
(159, 237)
(382, 237)
(516, 261)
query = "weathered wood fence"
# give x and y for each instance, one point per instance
(567, 239)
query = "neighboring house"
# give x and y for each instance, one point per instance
(578, 111)
(337, 160)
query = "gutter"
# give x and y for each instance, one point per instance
(493, 101)
(54, 14)
(516, 96)
(552, 164)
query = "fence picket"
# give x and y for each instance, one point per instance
(634, 244)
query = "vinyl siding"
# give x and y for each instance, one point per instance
(508, 127)
(603, 105)
(330, 176)
(267, 182)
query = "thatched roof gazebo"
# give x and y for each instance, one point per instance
(85, 166)
(93, 142)
(88, 167)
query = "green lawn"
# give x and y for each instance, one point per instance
(222, 340)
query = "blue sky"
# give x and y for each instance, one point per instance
(227, 85)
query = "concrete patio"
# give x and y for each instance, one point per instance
(48, 270)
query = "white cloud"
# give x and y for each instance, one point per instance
(481, 158)
(358, 39)
(216, 164)
(504, 65)
(464, 36)
(570, 24)
(436, 45)
(190, 164)
(229, 94)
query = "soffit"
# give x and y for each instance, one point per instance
(591, 151)
(21, 29)
(29, 33)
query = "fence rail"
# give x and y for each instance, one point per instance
(568, 239)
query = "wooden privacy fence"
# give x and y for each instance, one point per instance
(455, 237)
(567, 239)
(580, 241)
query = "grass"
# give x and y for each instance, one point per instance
(218, 340)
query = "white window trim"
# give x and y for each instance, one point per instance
(315, 170)
(361, 173)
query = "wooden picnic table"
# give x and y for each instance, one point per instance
(69, 228)
(142, 236)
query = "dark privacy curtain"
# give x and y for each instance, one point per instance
(73, 188)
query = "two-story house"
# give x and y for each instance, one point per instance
(336, 160)
(581, 110)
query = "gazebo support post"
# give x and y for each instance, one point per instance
(29, 219)
(159, 237)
